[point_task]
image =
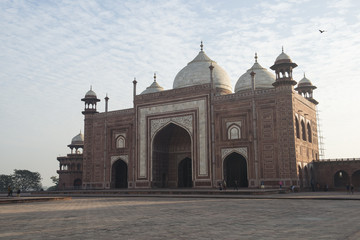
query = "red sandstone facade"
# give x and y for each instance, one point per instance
(201, 135)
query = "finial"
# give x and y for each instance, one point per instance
(211, 66)
(201, 46)
(154, 77)
(304, 74)
(91, 87)
(282, 48)
(134, 82)
(256, 57)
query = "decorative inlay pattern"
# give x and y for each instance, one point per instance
(184, 121)
(230, 123)
(226, 151)
(125, 158)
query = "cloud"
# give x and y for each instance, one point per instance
(52, 51)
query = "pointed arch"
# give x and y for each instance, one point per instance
(119, 174)
(235, 170)
(120, 142)
(171, 144)
(297, 127)
(234, 132)
(309, 132)
(303, 130)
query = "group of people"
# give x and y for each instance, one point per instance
(10, 192)
(222, 185)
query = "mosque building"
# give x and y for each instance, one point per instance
(200, 133)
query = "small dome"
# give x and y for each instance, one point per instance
(78, 139)
(263, 78)
(90, 94)
(154, 87)
(283, 58)
(197, 72)
(304, 82)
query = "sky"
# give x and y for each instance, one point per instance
(51, 52)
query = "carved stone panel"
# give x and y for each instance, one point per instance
(226, 151)
(184, 121)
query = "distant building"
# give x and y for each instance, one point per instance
(201, 133)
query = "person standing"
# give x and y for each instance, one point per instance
(9, 191)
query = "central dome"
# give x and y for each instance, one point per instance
(197, 72)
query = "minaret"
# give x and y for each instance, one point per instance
(286, 170)
(90, 100)
(283, 67)
(305, 88)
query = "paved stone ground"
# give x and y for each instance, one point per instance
(181, 218)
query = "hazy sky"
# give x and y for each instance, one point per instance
(52, 51)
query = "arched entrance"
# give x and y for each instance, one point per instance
(341, 179)
(77, 183)
(356, 179)
(235, 169)
(119, 172)
(300, 177)
(171, 146)
(184, 173)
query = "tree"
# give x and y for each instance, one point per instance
(55, 180)
(26, 180)
(5, 181)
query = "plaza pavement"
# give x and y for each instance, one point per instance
(331, 215)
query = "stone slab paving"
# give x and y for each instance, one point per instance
(181, 218)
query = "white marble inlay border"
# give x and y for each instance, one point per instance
(226, 151)
(125, 158)
(184, 121)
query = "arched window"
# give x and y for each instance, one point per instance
(120, 142)
(309, 132)
(303, 130)
(234, 132)
(297, 127)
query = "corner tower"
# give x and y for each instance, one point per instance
(89, 112)
(284, 100)
(283, 67)
(90, 100)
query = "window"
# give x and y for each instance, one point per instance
(120, 142)
(234, 132)
(297, 127)
(303, 130)
(309, 132)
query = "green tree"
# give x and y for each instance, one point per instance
(26, 180)
(55, 180)
(5, 181)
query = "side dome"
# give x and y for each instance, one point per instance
(263, 78)
(304, 82)
(90, 94)
(283, 58)
(197, 72)
(154, 87)
(78, 139)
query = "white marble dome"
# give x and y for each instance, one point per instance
(154, 87)
(90, 94)
(304, 82)
(197, 72)
(263, 78)
(78, 139)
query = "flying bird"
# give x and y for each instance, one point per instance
(321, 31)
